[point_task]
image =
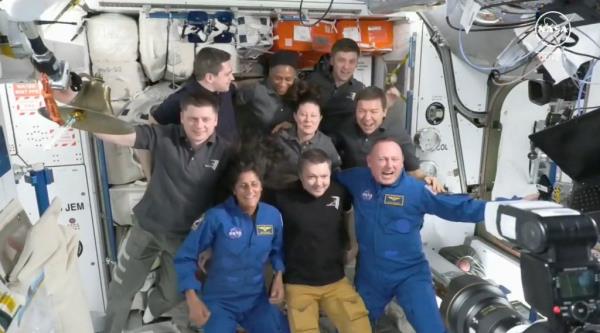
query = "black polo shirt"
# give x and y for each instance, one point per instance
(354, 145)
(315, 236)
(184, 180)
(169, 111)
(337, 103)
(259, 107)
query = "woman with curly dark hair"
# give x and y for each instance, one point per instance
(270, 102)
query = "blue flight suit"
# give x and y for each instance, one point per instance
(391, 261)
(234, 290)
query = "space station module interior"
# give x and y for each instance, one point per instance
(500, 97)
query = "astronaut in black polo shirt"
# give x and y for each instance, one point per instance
(316, 244)
(356, 137)
(336, 84)
(189, 160)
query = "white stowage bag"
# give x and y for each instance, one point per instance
(180, 57)
(254, 35)
(122, 200)
(122, 165)
(125, 79)
(112, 38)
(52, 249)
(153, 46)
(138, 109)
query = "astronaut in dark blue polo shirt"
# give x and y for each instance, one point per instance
(243, 234)
(389, 207)
(213, 75)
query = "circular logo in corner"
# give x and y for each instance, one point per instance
(553, 28)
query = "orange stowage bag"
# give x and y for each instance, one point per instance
(323, 36)
(376, 36)
(291, 36)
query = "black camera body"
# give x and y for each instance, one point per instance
(560, 277)
(569, 293)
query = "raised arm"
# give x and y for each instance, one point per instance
(127, 140)
(453, 207)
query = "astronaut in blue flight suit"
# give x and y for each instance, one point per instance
(243, 234)
(389, 207)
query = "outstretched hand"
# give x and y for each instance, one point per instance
(434, 184)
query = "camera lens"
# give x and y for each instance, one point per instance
(475, 305)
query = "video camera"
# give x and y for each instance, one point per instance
(560, 277)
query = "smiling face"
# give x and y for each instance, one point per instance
(247, 190)
(315, 178)
(386, 162)
(282, 77)
(199, 123)
(344, 64)
(369, 115)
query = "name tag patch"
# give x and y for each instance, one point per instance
(393, 200)
(264, 230)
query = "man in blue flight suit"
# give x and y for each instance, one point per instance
(243, 234)
(389, 207)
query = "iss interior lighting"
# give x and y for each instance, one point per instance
(339, 7)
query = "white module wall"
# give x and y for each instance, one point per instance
(429, 88)
(71, 161)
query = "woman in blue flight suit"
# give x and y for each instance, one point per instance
(243, 234)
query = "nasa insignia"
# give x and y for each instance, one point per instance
(234, 233)
(367, 195)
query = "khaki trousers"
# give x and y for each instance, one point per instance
(338, 300)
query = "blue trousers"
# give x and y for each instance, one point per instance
(414, 293)
(263, 317)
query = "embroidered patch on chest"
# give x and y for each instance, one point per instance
(212, 164)
(264, 230)
(393, 200)
(234, 233)
(335, 202)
